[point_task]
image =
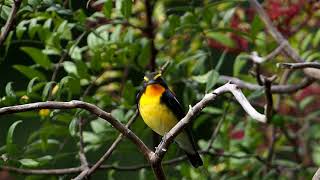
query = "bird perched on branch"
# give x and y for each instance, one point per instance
(161, 111)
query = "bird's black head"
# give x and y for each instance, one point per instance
(154, 78)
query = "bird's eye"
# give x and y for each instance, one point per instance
(145, 79)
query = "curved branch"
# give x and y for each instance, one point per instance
(82, 105)
(43, 171)
(316, 176)
(299, 65)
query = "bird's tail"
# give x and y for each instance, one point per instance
(194, 159)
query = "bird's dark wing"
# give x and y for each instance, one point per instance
(171, 101)
(138, 98)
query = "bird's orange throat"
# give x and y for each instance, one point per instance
(154, 90)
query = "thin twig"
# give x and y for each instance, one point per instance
(7, 27)
(275, 52)
(82, 155)
(269, 105)
(42, 171)
(217, 129)
(271, 147)
(258, 74)
(293, 142)
(299, 65)
(58, 65)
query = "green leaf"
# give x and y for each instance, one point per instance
(70, 67)
(213, 77)
(144, 54)
(316, 39)
(33, 28)
(29, 72)
(4, 12)
(202, 78)
(99, 126)
(107, 8)
(9, 90)
(21, 28)
(73, 126)
(30, 85)
(89, 137)
(34, 3)
(306, 101)
(212, 110)
(72, 83)
(118, 114)
(29, 162)
(221, 38)
(46, 90)
(239, 63)
(306, 42)
(126, 6)
(45, 159)
(38, 57)
(64, 30)
(10, 132)
(256, 26)
(220, 61)
(75, 53)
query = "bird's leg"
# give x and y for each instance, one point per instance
(161, 143)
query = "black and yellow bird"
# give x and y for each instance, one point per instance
(160, 110)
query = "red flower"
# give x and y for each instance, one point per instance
(238, 135)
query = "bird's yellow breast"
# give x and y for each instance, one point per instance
(154, 113)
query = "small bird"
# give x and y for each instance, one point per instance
(160, 110)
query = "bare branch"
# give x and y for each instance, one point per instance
(269, 105)
(287, 49)
(316, 176)
(82, 105)
(299, 65)
(281, 89)
(275, 52)
(58, 65)
(7, 27)
(82, 155)
(43, 171)
(259, 60)
(217, 129)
